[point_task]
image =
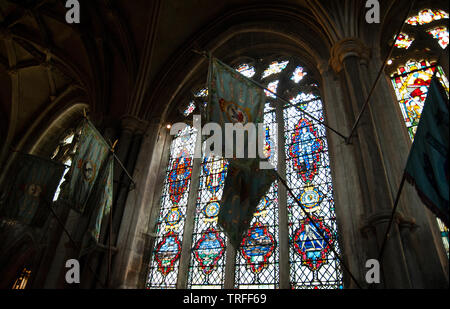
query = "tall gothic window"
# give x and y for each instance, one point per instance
(414, 71)
(210, 261)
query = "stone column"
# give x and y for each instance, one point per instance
(346, 57)
(422, 245)
(142, 204)
(348, 194)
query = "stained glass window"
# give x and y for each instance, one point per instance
(189, 109)
(411, 83)
(274, 68)
(63, 153)
(257, 259)
(202, 93)
(246, 70)
(403, 41)
(207, 265)
(440, 34)
(312, 263)
(298, 74)
(169, 230)
(426, 16)
(272, 87)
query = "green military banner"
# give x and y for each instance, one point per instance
(92, 152)
(30, 192)
(236, 100)
(427, 166)
(99, 205)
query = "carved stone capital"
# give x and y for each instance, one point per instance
(346, 48)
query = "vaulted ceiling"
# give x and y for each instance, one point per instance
(135, 56)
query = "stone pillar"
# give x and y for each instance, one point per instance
(348, 194)
(426, 259)
(134, 239)
(346, 57)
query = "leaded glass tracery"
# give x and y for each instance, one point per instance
(412, 79)
(441, 35)
(169, 228)
(258, 256)
(257, 260)
(312, 262)
(207, 263)
(426, 16)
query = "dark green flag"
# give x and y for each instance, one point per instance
(31, 189)
(92, 151)
(244, 187)
(427, 166)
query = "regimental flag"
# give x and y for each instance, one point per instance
(427, 166)
(99, 205)
(92, 152)
(235, 99)
(30, 193)
(244, 187)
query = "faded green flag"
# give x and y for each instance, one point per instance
(91, 153)
(30, 192)
(99, 205)
(244, 187)
(234, 99)
(427, 166)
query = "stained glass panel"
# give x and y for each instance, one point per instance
(298, 74)
(257, 257)
(274, 68)
(403, 41)
(207, 264)
(272, 87)
(246, 70)
(169, 228)
(440, 34)
(312, 262)
(426, 16)
(189, 109)
(411, 87)
(411, 90)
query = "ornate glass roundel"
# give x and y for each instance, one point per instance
(257, 247)
(208, 250)
(309, 243)
(168, 252)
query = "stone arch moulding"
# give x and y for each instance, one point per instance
(299, 38)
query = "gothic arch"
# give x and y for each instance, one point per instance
(289, 30)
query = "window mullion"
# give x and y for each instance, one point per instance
(189, 224)
(282, 202)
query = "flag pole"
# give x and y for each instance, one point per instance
(318, 230)
(108, 274)
(208, 55)
(113, 153)
(394, 209)
(358, 118)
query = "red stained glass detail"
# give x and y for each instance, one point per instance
(168, 252)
